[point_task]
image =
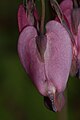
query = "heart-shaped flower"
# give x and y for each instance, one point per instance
(71, 9)
(46, 58)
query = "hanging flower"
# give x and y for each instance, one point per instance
(71, 10)
(45, 57)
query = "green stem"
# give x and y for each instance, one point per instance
(42, 17)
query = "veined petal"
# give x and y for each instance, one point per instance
(28, 54)
(58, 55)
(67, 8)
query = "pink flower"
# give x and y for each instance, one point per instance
(71, 10)
(46, 58)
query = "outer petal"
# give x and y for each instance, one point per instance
(67, 6)
(58, 55)
(22, 18)
(29, 58)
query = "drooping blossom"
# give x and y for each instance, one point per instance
(71, 9)
(46, 58)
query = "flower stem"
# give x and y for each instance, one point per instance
(42, 17)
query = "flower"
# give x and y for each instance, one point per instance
(46, 58)
(71, 10)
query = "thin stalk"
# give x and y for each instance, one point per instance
(42, 17)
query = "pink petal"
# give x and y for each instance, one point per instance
(28, 54)
(58, 55)
(67, 6)
(22, 18)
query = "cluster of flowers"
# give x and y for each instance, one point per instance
(50, 58)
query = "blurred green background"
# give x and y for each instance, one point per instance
(19, 100)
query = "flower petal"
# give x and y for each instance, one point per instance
(28, 54)
(67, 6)
(58, 55)
(22, 18)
